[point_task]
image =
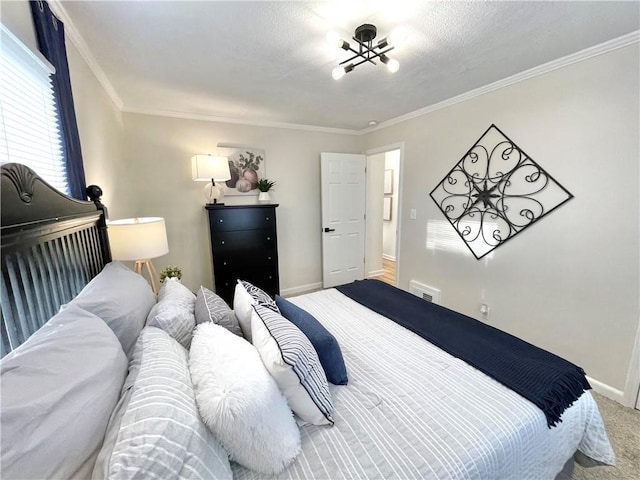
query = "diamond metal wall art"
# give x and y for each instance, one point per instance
(495, 191)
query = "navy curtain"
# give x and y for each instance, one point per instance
(50, 33)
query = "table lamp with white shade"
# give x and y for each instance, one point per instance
(139, 240)
(211, 168)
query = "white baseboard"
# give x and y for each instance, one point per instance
(290, 292)
(375, 273)
(388, 257)
(606, 390)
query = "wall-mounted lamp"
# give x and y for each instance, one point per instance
(366, 50)
(211, 168)
(139, 239)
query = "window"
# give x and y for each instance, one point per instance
(29, 128)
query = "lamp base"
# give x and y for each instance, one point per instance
(138, 267)
(214, 193)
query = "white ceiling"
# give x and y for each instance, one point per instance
(269, 61)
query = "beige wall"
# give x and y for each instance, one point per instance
(158, 182)
(569, 283)
(16, 16)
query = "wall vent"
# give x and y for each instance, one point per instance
(425, 292)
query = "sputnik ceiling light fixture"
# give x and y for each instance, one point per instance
(366, 50)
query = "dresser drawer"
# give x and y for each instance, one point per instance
(242, 241)
(259, 258)
(229, 219)
(264, 278)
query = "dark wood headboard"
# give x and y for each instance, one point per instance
(52, 245)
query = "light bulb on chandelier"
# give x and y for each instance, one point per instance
(392, 64)
(366, 50)
(340, 72)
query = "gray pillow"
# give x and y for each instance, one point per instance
(174, 311)
(173, 290)
(157, 432)
(121, 298)
(175, 319)
(211, 308)
(58, 391)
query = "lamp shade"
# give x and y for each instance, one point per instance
(207, 167)
(138, 238)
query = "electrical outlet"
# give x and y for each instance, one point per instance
(484, 310)
(413, 214)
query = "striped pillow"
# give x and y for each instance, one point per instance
(294, 364)
(158, 432)
(258, 295)
(246, 295)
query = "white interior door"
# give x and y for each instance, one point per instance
(343, 208)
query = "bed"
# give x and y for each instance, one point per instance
(409, 410)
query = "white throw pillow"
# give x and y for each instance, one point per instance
(293, 363)
(240, 402)
(242, 307)
(156, 430)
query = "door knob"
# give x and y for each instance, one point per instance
(327, 229)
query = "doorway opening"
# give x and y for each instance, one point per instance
(383, 202)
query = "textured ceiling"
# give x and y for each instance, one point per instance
(270, 62)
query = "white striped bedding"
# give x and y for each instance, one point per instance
(411, 410)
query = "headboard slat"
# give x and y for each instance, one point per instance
(36, 276)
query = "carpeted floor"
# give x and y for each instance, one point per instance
(623, 428)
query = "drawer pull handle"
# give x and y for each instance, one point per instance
(221, 221)
(267, 218)
(268, 258)
(268, 238)
(270, 277)
(224, 263)
(222, 242)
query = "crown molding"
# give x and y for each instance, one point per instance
(77, 39)
(609, 46)
(85, 52)
(257, 123)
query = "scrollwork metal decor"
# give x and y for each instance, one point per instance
(495, 191)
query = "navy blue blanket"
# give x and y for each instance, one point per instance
(548, 381)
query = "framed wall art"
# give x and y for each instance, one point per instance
(247, 166)
(386, 208)
(495, 192)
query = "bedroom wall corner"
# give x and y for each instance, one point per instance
(157, 152)
(16, 16)
(101, 131)
(570, 283)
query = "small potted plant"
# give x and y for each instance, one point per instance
(170, 272)
(264, 185)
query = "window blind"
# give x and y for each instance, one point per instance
(29, 127)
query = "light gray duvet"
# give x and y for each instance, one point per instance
(411, 410)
